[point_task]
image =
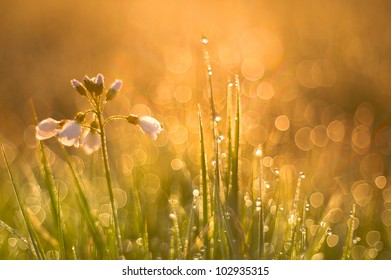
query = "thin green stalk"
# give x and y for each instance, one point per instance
(119, 251)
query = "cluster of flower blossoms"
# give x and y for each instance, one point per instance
(77, 133)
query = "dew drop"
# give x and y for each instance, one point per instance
(139, 242)
(265, 229)
(258, 152)
(204, 41)
(220, 138)
(196, 192)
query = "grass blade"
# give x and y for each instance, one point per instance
(346, 253)
(234, 192)
(35, 245)
(87, 212)
(206, 196)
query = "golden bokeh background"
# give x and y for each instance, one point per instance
(332, 51)
(315, 79)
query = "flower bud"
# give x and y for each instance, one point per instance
(79, 87)
(147, 124)
(113, 90)
(80, 117)
(89, 84)
(99, 84)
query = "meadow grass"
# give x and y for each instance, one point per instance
(274, 214)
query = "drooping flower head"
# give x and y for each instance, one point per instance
(46, 129)
(148, 125)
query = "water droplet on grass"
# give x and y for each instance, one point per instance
(139, 242)
(196, 192)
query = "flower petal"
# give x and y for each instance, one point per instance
(46, 129)
(91, 142)
(150, 126)
(70, 133)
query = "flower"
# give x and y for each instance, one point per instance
(114, 89)
(150, 126)
(46, 129)
(91, 142)
(70, 133)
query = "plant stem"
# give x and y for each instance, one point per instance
(119, 252)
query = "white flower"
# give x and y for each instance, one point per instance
(150, 126)
(91, 142)
(46, 129)
(70, 133)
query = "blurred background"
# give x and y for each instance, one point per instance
(315, 78)
(332, 51)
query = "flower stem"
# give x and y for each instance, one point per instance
(119, 251)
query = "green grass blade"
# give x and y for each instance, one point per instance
(87, 212)
(35, 245)
(346, 252)
(53, 194)
(204, 186)
(14, 232)
(233, 195)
